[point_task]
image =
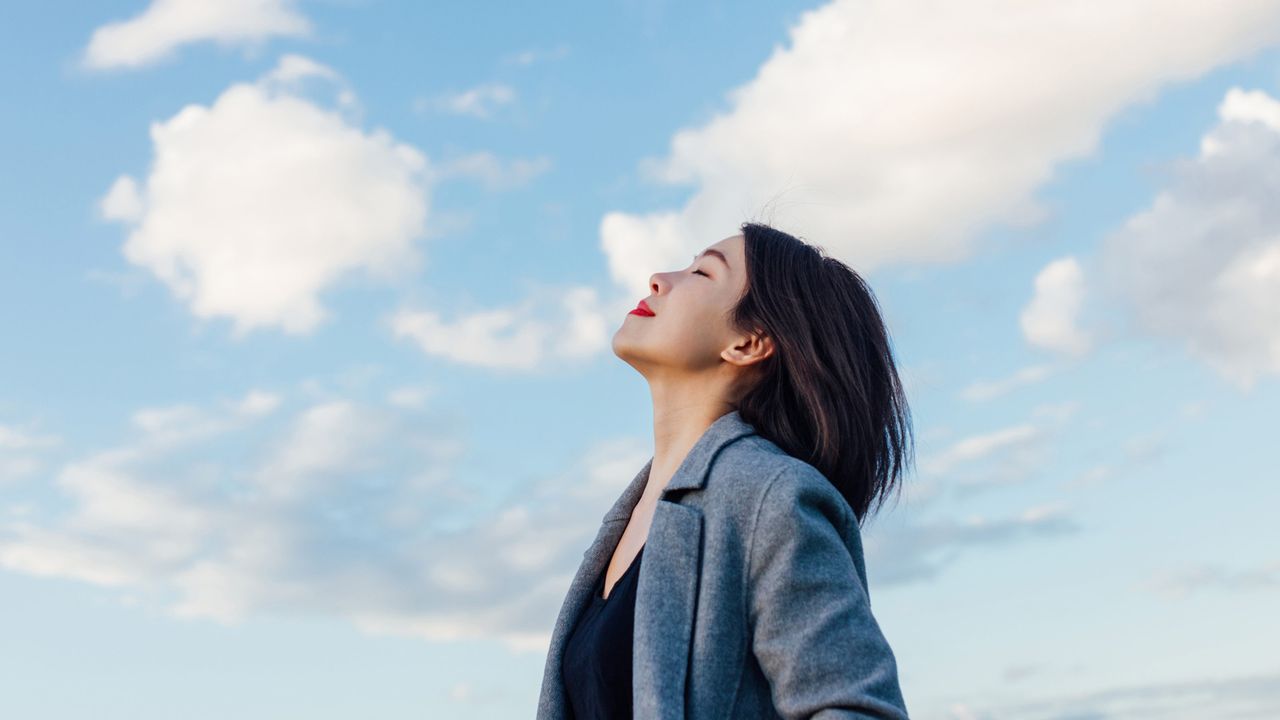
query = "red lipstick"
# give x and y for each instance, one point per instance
(642, 310)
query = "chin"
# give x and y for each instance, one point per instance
(623, 348)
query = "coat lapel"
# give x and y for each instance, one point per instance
(667, 590)
(552, 703)
(665, 598)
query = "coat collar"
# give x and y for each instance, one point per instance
(667, 586)
(692, 472)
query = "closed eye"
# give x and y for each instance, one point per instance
(699, 272)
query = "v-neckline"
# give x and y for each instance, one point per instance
(634, 561)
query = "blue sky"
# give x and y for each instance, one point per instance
(277, 278)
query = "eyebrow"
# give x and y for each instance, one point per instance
(713, 251)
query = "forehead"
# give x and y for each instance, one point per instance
(730, 246)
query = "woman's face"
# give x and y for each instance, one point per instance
(689, 331)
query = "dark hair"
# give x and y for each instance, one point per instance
(830, 393)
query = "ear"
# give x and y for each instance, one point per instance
(749, 349)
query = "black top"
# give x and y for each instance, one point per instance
(597, 656)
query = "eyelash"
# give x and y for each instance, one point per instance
(699, 272)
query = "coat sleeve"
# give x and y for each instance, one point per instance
(812, 630)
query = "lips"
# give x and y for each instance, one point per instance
(642, 309)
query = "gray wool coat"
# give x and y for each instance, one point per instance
(752, 599)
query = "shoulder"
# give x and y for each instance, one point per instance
(801, 525)
(771, 485)
(788, 513)
(800, 494)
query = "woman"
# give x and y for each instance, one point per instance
(728, 579)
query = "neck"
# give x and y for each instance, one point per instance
(676, 429)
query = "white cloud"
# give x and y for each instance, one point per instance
(977, 447)
(258, 402)
(1179, 583)
(906, 127)
(261, 201)
(1201, 265)
(915, 551)
(987, 389)
(338, 508)
(325, 443)
(1056, 412)
(1051, 319)
(481, 101)
(167, 24)
(292, 67)
(20, 452)
(1217, 696)
(357, 511)
(547, 326)
(529, 57)
(988, 461)
(15, 438)
(410, 396)
(123, 201)
(493, 172)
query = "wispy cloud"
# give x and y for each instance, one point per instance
(481, 101)
(987, 461)
(168, 24)
(537, 55)
(263, 505)
(922, 550)
(1183, 582)
(492, 171)
(550, 325)
(1223, 697)
(980, 390)
(22, 452)
(977, 447)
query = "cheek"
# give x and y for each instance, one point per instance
(691, 339)
(688, 334)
